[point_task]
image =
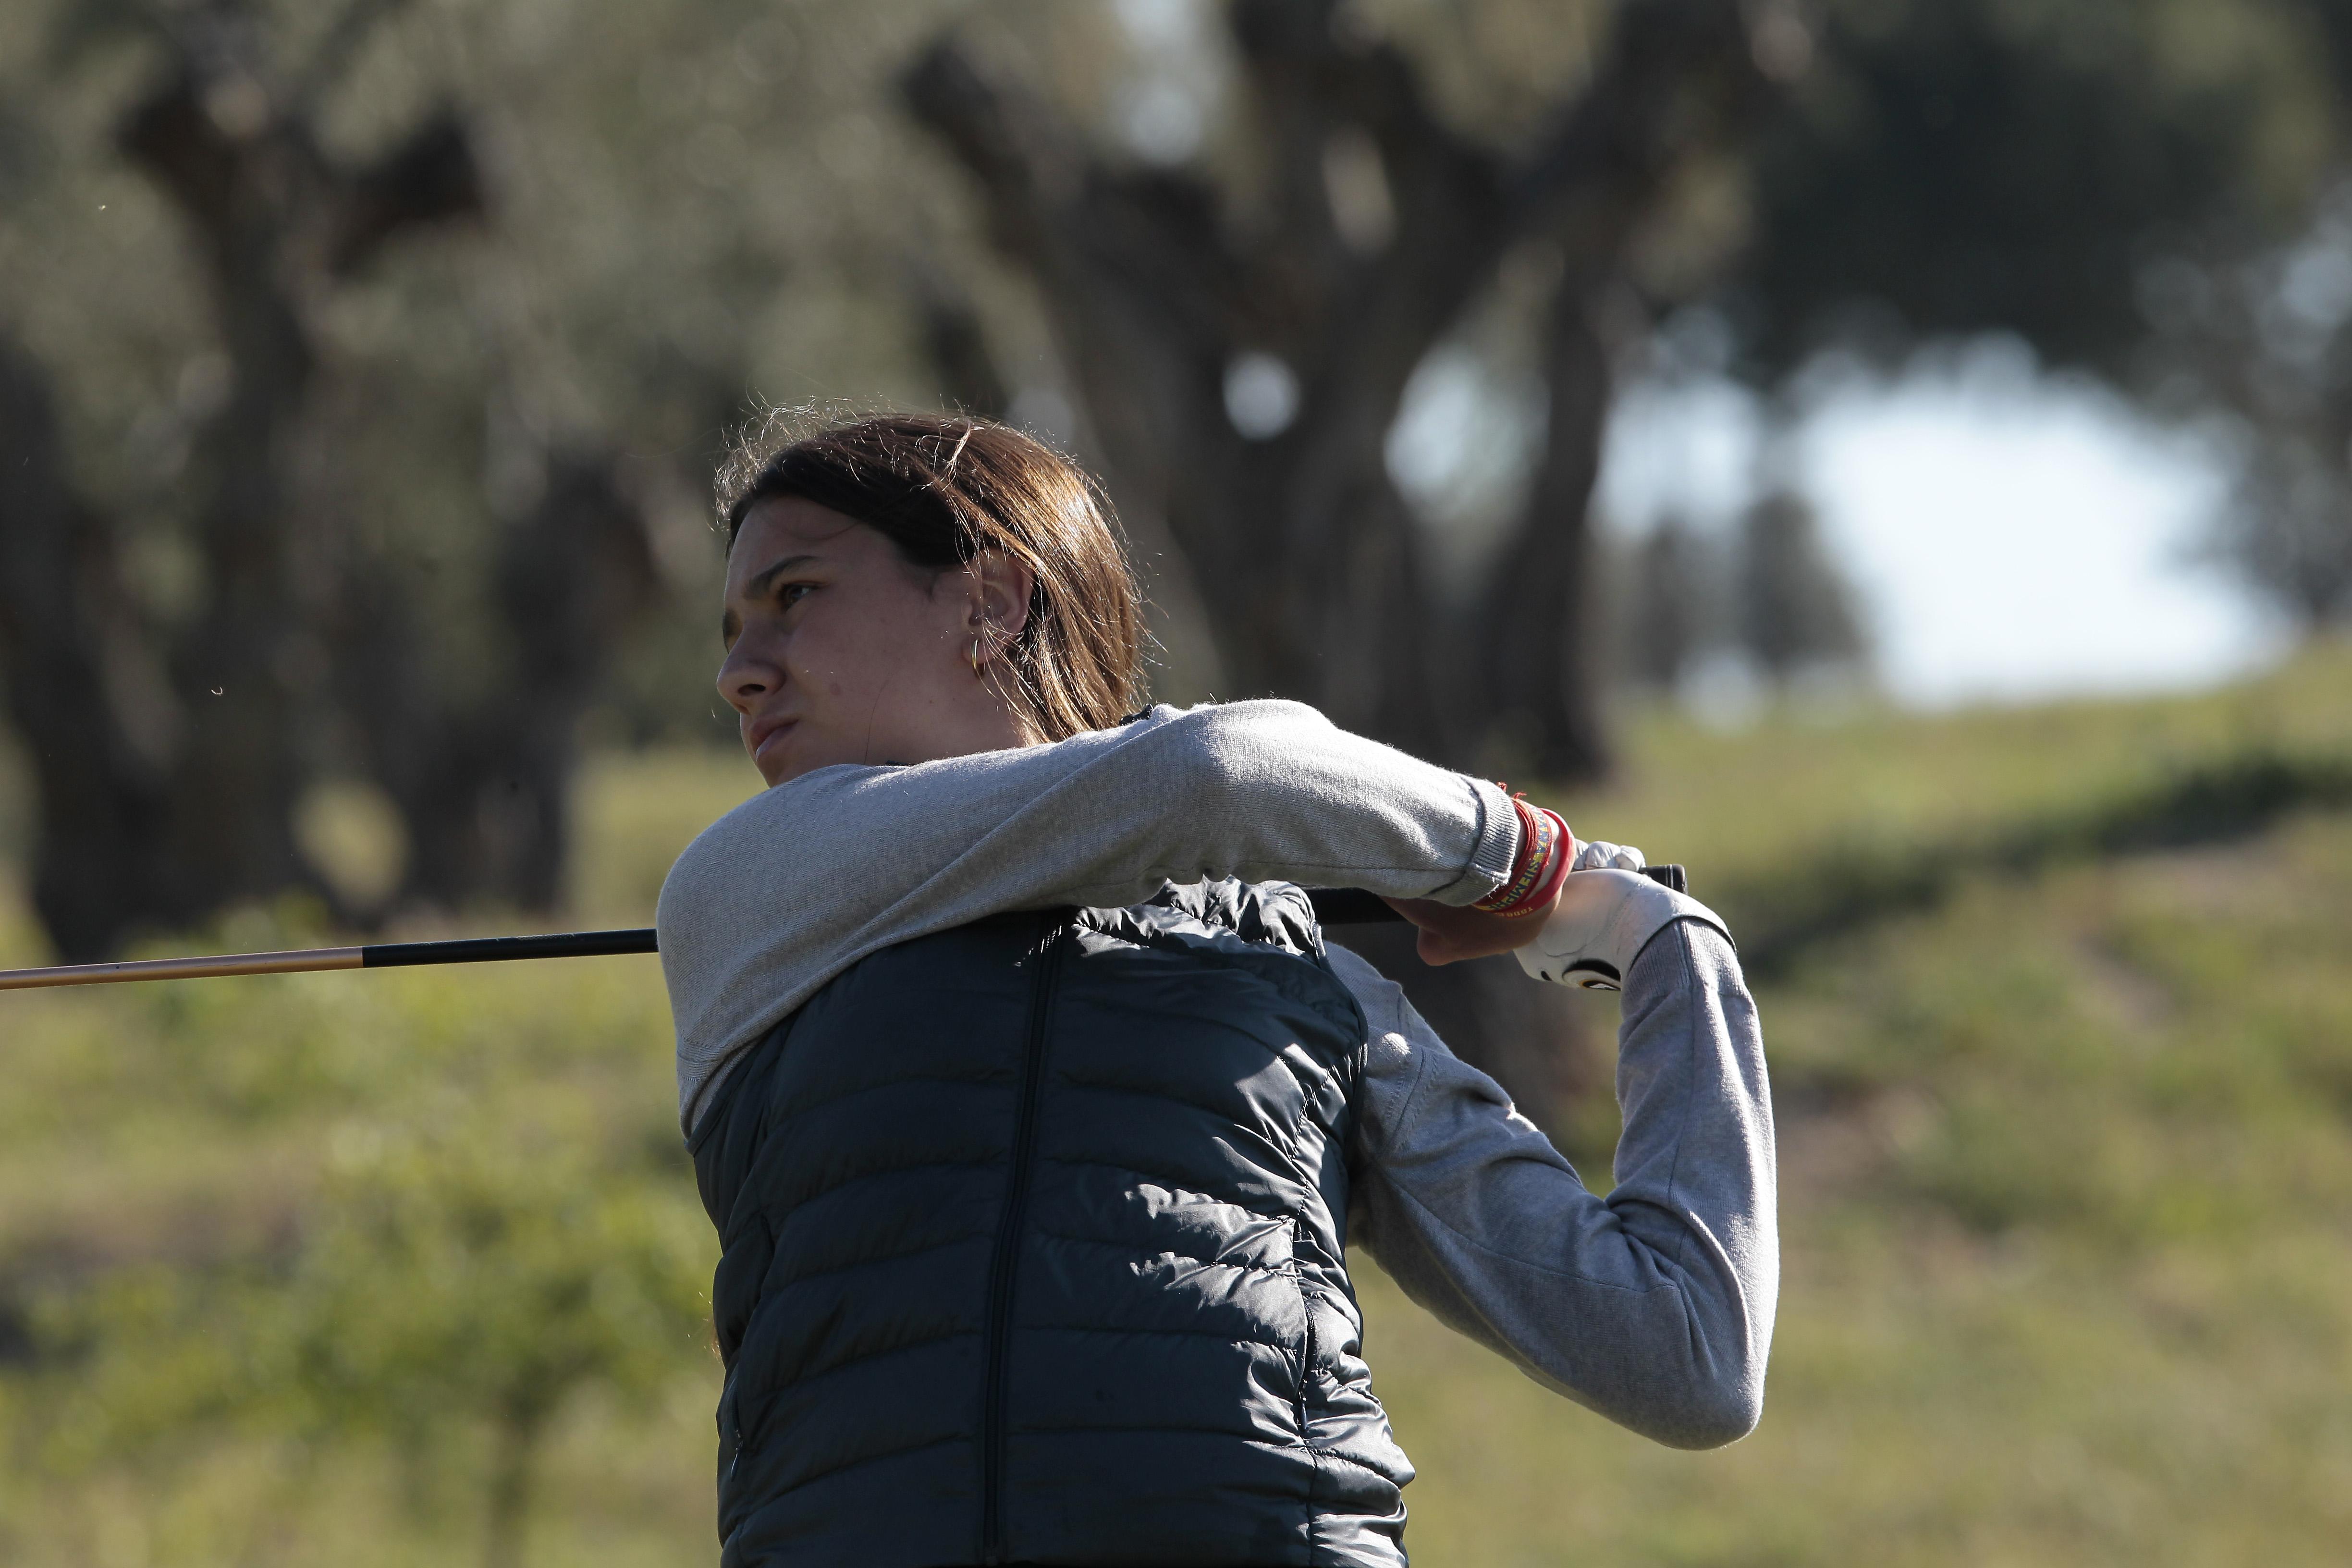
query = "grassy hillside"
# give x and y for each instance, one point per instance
(319, 1269)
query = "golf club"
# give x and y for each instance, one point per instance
(1333, 906)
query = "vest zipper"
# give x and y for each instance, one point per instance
(1005, 1261)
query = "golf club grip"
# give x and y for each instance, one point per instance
(1354, 907)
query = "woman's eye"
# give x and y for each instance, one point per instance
(792, 594)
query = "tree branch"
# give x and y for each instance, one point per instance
(429, 178)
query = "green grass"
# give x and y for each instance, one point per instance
(1741, 808)
(2069, 1168)
(2067, 1158)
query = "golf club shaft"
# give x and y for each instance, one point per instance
(310, 960)
(1333, 906)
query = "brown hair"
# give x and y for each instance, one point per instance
(943, 487)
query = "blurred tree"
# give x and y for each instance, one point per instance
(696, 203)
(2289, 527)
(459, 1282)
(481, 776)
(1668, 606)
(295, 619)
(274, 223)
(103, 793)
(2266, 339)
(1241, 365)
(1796, 612)
(956, 339)
(1958, 166)
(2137, 187)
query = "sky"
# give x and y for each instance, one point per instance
(2013, 537)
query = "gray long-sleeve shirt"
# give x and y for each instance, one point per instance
(1653, 1306)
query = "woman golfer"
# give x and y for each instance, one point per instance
(1037, 1118)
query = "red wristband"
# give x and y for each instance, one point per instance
(1546, 850)
(1563, 860)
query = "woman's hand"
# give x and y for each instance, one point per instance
(1450, 933)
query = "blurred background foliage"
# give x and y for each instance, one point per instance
(365, 365)
(362, 369)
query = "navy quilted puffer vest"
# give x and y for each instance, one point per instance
(1031, 1253)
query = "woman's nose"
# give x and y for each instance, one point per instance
(744, 677)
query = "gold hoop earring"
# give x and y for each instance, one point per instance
(979, 669)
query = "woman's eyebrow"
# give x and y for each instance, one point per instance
(758, 584)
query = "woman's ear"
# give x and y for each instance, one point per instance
(998, 584)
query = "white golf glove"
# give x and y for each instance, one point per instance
(1604, 918)
(1598, 855)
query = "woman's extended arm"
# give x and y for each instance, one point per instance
(798, 883)
(1654, 1305)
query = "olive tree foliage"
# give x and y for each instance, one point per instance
(2262, 346)
(1670, 609)
(2148, 190)
(363, 365)
(145, 814)
(1796, 614)
(1241, 320)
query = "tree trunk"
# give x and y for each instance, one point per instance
(103, 799)
(483, 787)
(1538, 618)
(159, 817)
(956, 340)
(235, 668)
(274, 222)
(514, 1463)
(1317, 590)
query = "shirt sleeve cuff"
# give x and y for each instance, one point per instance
(1497, 848)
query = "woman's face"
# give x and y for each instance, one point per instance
(839, 651)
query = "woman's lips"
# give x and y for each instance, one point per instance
(766, 732)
